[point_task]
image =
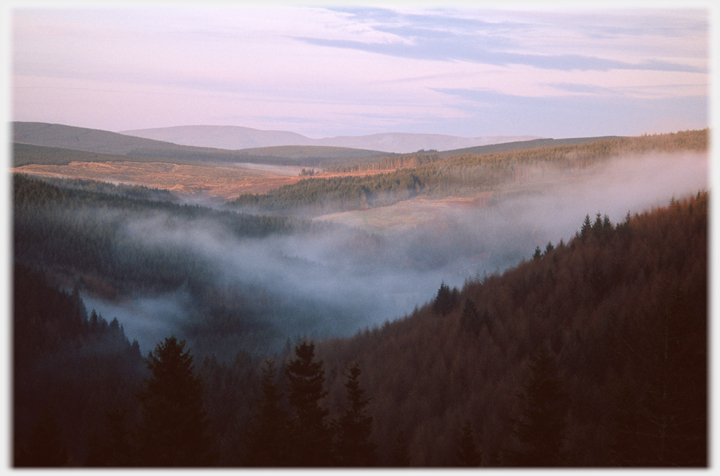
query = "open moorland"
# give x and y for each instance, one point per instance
(202, 181)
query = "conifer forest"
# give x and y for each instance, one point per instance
(535, 305)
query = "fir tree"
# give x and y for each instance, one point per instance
(173, 430)
(445, 300)
(353, 428)
(537, 254)
(269, 434)
(312, 438)
(586, 227)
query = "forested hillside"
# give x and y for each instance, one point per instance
(69, 369)
(432, 175)
(621, 312)
(115, 246)
(598, 345)
(77, 225)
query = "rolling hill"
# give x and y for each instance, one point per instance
(516, 145)
(235, 137)
(96, 141)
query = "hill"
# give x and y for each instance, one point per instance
(235, 137)
(398, 142)
(621, 312)
(25, 154)
(429, 174)
(89, 140)
(516, 145)
(62, 138)
(605, 335)
(221, 137)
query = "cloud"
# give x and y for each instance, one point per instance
(466, 50)
(440, 35)
(324, 72)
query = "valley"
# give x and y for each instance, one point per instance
(332, 237)
(452, 269)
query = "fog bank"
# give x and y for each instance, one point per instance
(344, 279)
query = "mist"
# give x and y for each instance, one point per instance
(345, 278)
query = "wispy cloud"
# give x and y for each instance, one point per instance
(347, 71)
(441, 35)
(452, 49)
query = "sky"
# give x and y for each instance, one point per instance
(354, 70)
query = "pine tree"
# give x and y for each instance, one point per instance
(468, 454)
(538, 254)
(541, 430)
(269, 434)
(353, 428)
(586, 227)
(445, 300)
(173, 430)
(312, 437)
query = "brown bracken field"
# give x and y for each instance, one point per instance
(219, 181)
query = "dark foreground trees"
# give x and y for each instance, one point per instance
(269, 436)
(311, 434)
(173, 430)
(298, 433)
(353, 428)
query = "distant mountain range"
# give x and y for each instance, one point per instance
(235, 137)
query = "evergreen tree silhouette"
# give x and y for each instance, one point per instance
(173, 430)
(353, 428)
(269, 434)
(311, 434)
(445, 300)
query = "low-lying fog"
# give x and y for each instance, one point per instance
(345, 279)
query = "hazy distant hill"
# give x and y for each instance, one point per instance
(62, 139)
(222, 137)
(93, 140)
(234, 137)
